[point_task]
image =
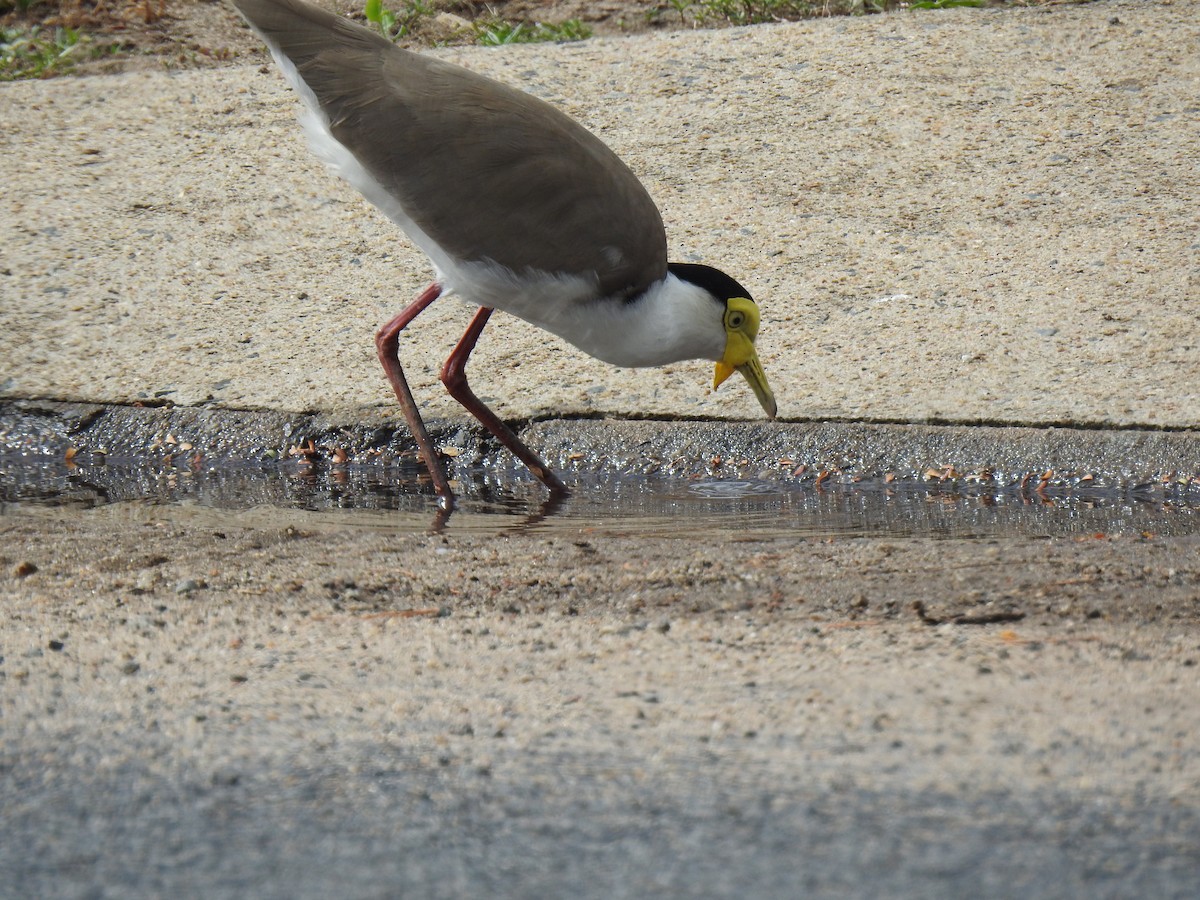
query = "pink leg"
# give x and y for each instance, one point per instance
(454, 377)
(387, 342)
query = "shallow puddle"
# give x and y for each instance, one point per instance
(398, 499)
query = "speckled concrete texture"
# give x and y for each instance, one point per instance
(960, 216)
(194, 706)
(967, 215)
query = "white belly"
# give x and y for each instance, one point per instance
(672, 321)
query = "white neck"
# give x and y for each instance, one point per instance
(673, 321)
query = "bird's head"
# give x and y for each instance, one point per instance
(740, 320)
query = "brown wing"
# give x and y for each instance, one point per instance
(487, 171)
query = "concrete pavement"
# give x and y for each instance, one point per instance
(973, 215)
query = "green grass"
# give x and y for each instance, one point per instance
(395, 25)
(497, 32)
(491, 32)
(751, 12)
(35, 53)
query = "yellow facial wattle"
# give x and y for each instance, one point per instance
(741, 328)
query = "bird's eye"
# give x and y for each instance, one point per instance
(735, 319)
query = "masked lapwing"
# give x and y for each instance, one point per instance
(517, 206)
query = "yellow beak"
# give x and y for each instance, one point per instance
(751, 368)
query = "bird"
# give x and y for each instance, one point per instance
(517, 206)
